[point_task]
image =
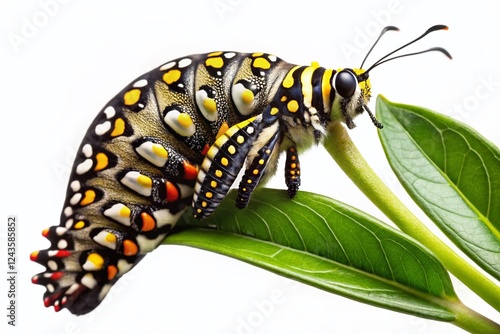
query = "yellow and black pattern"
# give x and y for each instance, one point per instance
(177, 137)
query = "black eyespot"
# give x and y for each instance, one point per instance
(345, 83)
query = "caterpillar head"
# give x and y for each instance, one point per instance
(352, 86)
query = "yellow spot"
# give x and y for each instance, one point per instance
(185, 120)
(223, 128)
(257, 54)
(261, 161)
(110, 238)
(249, 181)
(294, 157)
(96, 260)
(231, 149)
(119, 127)
(292, 106)
(216, 62)
(289, 81)
(216, 53)
(131, 97)
(144, 181)
(283, 98)
(314, 64)
(292, 172)
(124, 212)
(213, 184)
(274, 111)
(326, 86)
(255, 172)
(102, 161)
(171, 76)
(199, 210)
(293, 165)
(79, 225)
(209, 195)
(224, 161)
(204, 204)
(268, 151)
(261, 63)
(218, 173)
(247, 96)
(160, 151)
(89, 197)
(210, 105)
(240, 139)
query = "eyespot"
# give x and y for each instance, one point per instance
(345, 83)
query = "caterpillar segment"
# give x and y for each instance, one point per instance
(177, 137)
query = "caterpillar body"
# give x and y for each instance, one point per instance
(177, 137)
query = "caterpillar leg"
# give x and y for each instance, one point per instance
(256, 168)
(221, 165)
(292, 171)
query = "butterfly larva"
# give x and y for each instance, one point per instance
(177, 137)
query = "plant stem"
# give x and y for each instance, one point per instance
(347, 156)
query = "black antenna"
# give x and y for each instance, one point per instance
(386, 29)
(428, 31)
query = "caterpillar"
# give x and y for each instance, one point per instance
(177, 137)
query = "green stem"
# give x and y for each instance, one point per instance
(472, 321)
(347, 156)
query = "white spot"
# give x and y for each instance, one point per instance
(52, 265)
(185, 62)
(229, 55)
(123, 266)
(68, 211)
(89, 281)
(50, 288)
(87, 150)
(167, 66)
(236, 95)
(141, 83)
(64, 300)
(84, 167)
(272, 58)
(75, 199)
(75, 185)
(172, 120)
(180, 85)
(110, 112)
(101, 129)
(200, 98)
(262, 73)
(131, 180)
(164, 217)
(250, 130)
(69, 223)
(185, 190)
(61, 230)
(104, 291)
(219, 73)
(72, 288)
(101, 239)
(148, 245)
(145, 150)
(62, 244)
(52, 253)
(114, 213)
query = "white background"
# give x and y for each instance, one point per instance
(61, 64)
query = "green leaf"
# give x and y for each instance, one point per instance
(329, 245)
(451, 172)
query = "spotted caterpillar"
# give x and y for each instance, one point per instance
(177, 137)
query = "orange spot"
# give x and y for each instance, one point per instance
(89, 198)
(45, 232)
(223, 128)
(131, 97)
(57, 275)
(102, 161)
(205, 150)
(112, 271)
(34, 256)
(119, 128)
(129, 248)
(190, 171)
(148, 223)
(172, 192)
